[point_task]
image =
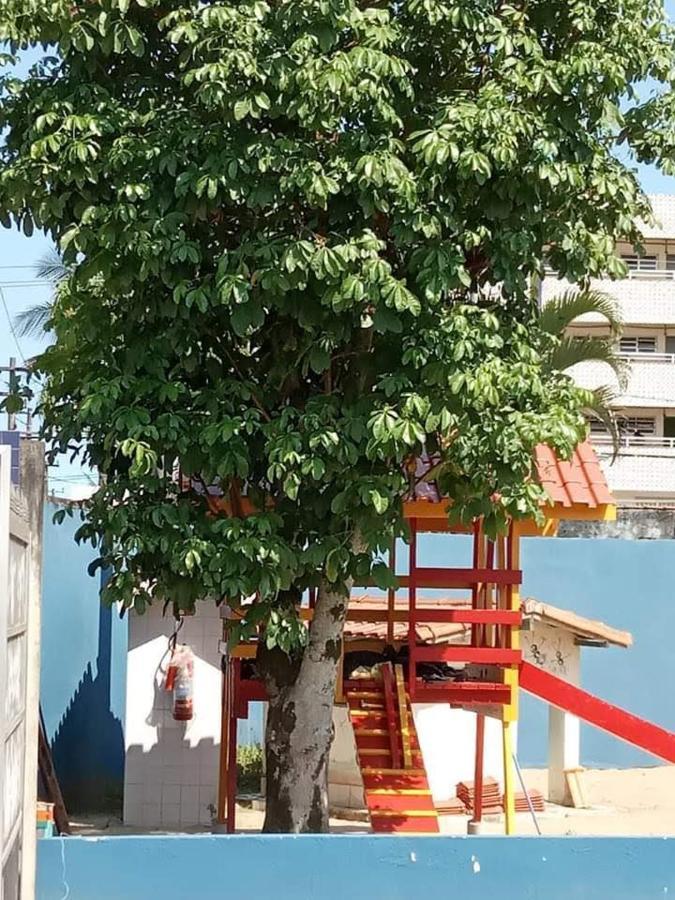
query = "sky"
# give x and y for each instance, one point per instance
(19, 255)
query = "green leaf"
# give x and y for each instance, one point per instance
(383, 577)
(242, 108)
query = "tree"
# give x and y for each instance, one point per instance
(34, 320)
(569, 350)
(301, 239)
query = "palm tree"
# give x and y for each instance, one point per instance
(557, 316)
(35, 319)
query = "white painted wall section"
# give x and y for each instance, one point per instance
(171, 772)
(448, 740)
(555, 650)
(345, 785)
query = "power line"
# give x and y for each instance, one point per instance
(11, 325)
(36, 282)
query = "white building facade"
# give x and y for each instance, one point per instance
(643, 474)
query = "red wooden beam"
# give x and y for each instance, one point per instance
(432, 577)
(468, 616)
(478, 770)
(251, 689)
(465, 653)
(462, 692)
(639, 732)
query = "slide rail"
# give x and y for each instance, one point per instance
(643, 734)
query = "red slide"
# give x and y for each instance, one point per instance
(591, 709)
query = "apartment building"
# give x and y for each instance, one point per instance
(643, 474)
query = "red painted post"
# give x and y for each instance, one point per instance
(477, 536)
(391, 596)
(232, 748)
(478, 769)
(412, 601)
(222, 755)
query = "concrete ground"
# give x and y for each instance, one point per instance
(621, 801)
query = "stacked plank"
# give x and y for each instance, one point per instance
(492, 800)
(453, 806)
(536, 798)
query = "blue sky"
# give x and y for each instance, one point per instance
(19, 254)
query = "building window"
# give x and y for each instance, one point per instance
(637, 263)
(670, 262)
(637, 425)
(637, 345)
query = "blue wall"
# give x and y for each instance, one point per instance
(358, 867)
(628, 584)
(83, 671)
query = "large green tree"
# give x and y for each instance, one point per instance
(301, 238)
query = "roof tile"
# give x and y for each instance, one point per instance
(580, 481)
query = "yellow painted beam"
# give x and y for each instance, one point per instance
(403, 716)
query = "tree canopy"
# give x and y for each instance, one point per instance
(302, 241)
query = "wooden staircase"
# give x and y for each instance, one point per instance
(395, 782)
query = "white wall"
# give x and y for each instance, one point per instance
(171, 772)
(345, 785)
(448, 740)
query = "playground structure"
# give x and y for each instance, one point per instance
(484, 672)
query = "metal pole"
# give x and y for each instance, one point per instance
(11, 417)
(527, 796)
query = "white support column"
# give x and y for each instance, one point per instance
(563, 753)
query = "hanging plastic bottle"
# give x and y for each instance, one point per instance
(180, 680)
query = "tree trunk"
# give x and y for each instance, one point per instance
(300, 722)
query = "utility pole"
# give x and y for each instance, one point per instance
(14, 375)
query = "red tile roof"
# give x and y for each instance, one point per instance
(579, 482)
(451, 632)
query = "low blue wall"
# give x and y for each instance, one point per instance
(357, 868)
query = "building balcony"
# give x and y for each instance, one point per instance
(644, 298)
(651, 379)
(643, 471)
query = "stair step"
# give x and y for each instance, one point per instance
(400, 804)
(408, 773)
(398, 792)
(379, 751)
(394, 780)
(364, 695)
(381, 740)
(400, 813)
(368, 718)
(398, 799)
(405, 826)
(362, 684)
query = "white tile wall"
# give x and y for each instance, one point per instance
(171, 773)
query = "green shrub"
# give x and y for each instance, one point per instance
(249, 768)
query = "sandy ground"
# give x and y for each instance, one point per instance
(622, 802)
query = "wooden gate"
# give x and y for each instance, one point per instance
(14, 587)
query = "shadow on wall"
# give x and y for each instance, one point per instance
(173, 785)
(88, 745)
